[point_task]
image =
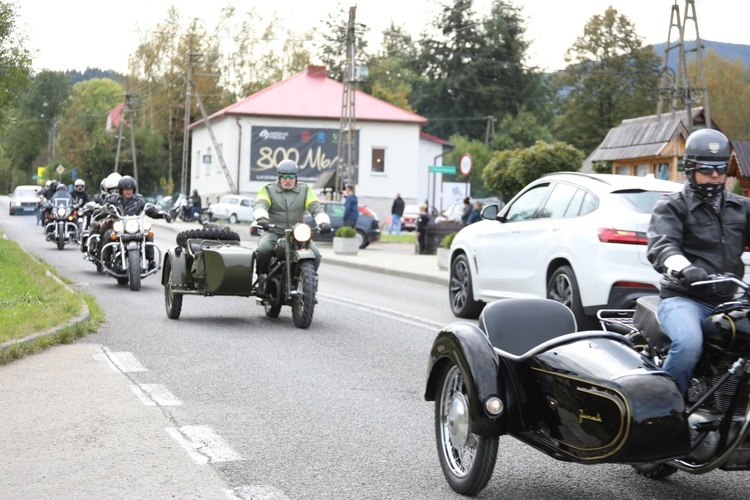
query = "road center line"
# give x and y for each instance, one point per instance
(155, 394)
(203, 444)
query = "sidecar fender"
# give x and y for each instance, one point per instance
(176, 257)
(469, 348)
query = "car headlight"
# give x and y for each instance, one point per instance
(61, 212)
(132, 226)
(302, 232)
(117, 226)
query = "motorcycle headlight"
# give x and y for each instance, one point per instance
(117, 226)
(302, 232)
(131, 226)
(61, 212)
(146, 225)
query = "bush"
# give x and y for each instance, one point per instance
(447, 240)
(346, 232)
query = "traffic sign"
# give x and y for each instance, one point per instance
(60, 169)
(465, 164)
(442, 169)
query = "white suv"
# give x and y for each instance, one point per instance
(576, 238)
(232, 208)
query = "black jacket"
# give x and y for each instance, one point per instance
(684, 224)
(398, 207)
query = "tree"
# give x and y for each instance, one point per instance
(509, 171)
(520, 131)
(610, 76)
(480, 156)
(14, 61)
(331, 42)
(473, 69)
(391, 77)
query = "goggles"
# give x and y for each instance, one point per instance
(706, 169)
(288, 176)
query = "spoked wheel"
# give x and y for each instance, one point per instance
(303, 304)
(460, 291)
(172, 301)
(272, 303)
(655, 471)
(134, 271)
(467, 459)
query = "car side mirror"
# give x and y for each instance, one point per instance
(489, 212)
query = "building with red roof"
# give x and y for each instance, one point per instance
(299, 118)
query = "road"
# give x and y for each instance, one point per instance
(243, 406)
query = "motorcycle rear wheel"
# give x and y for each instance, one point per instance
(467, 459)
(172, 301)
(303, 305)
(655, 470)
(134, 271)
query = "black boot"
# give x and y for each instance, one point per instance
(261, 288)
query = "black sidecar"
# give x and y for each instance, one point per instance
(586, 397)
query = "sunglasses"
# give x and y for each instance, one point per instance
(710, 169)
(288, 176)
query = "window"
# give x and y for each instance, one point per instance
(525, 206)
(558, 202)
(623, 170)
(661, 171)
(207, 159)
(197, 164)
(642, 170)
(378, 160)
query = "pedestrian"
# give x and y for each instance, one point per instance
(422, 222)
(475, 214)
(351, 208)
(397, 211)
(467, 212)
(699, 231)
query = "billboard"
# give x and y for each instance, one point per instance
(314, 149)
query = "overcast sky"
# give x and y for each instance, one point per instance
(76, 34)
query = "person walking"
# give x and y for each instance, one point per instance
(475, 214)
(467, 212)
(351, 208)
(397, 211)
(422, 222)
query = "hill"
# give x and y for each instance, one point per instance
(729, 51)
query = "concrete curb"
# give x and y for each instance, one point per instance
(82, 317)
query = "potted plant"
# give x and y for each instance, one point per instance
(443, 251)
(345, 241)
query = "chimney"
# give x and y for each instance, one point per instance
(316, 71)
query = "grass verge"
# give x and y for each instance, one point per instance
(32, 301)
(402, 238)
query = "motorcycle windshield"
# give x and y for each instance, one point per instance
(61, 202)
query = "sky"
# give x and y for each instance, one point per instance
(76, 34)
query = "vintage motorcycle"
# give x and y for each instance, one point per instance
(61, 224)
(210, 261)
(588, 397)
(126, 250)
(180, 208)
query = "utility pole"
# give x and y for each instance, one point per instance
(127, 114)
(186, 121)
(490, 129)
(346, 167)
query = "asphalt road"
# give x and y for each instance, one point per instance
(243, 406)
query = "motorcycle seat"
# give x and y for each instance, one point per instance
(646, 319)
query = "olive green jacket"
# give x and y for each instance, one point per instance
(286, 208)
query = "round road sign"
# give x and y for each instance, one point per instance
(465, 164)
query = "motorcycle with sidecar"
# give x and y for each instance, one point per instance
(211, 262)
(588, 397)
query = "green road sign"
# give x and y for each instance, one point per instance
(442, 169)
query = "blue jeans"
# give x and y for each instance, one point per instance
(681, 318)
(395, 222)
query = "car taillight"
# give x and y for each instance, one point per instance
(610, 235)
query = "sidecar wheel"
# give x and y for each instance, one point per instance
(655, 470)
(460, 291)
(272, 311)
(172, 301)
(303, 305)
(467, 459)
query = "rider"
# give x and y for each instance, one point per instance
(701, 230)
(194, 204)
(283, 204)
(130, 203)
(108, 194)
(80, 197)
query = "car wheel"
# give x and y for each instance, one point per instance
(233, 219)
(460, 291)
(467, 459)
(361, 239)
(563, 287)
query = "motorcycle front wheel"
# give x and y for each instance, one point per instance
(303, 304)
(467, 459)
(61, 238)
(134, 271)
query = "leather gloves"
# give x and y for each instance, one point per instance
(691, 274)
(262, 222)
(325, 228)
(167, 217)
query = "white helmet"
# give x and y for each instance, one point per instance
(48, 183)
(110, 183)
(79, 184)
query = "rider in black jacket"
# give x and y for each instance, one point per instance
(698, 231)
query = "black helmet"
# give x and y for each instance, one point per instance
(127, 182)
(288, 167)
(53, 185)
(706, 147)
(61, 187)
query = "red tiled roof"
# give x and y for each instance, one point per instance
(432, 138)
(311, 94)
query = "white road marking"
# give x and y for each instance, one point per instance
(258, 492)
(203, 444)
(125, 361)
(155, 394)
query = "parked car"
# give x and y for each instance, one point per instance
(455, 210)
(576, 238)
(24, 200)
(232, 208)
(409, 218)
(368, 223)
